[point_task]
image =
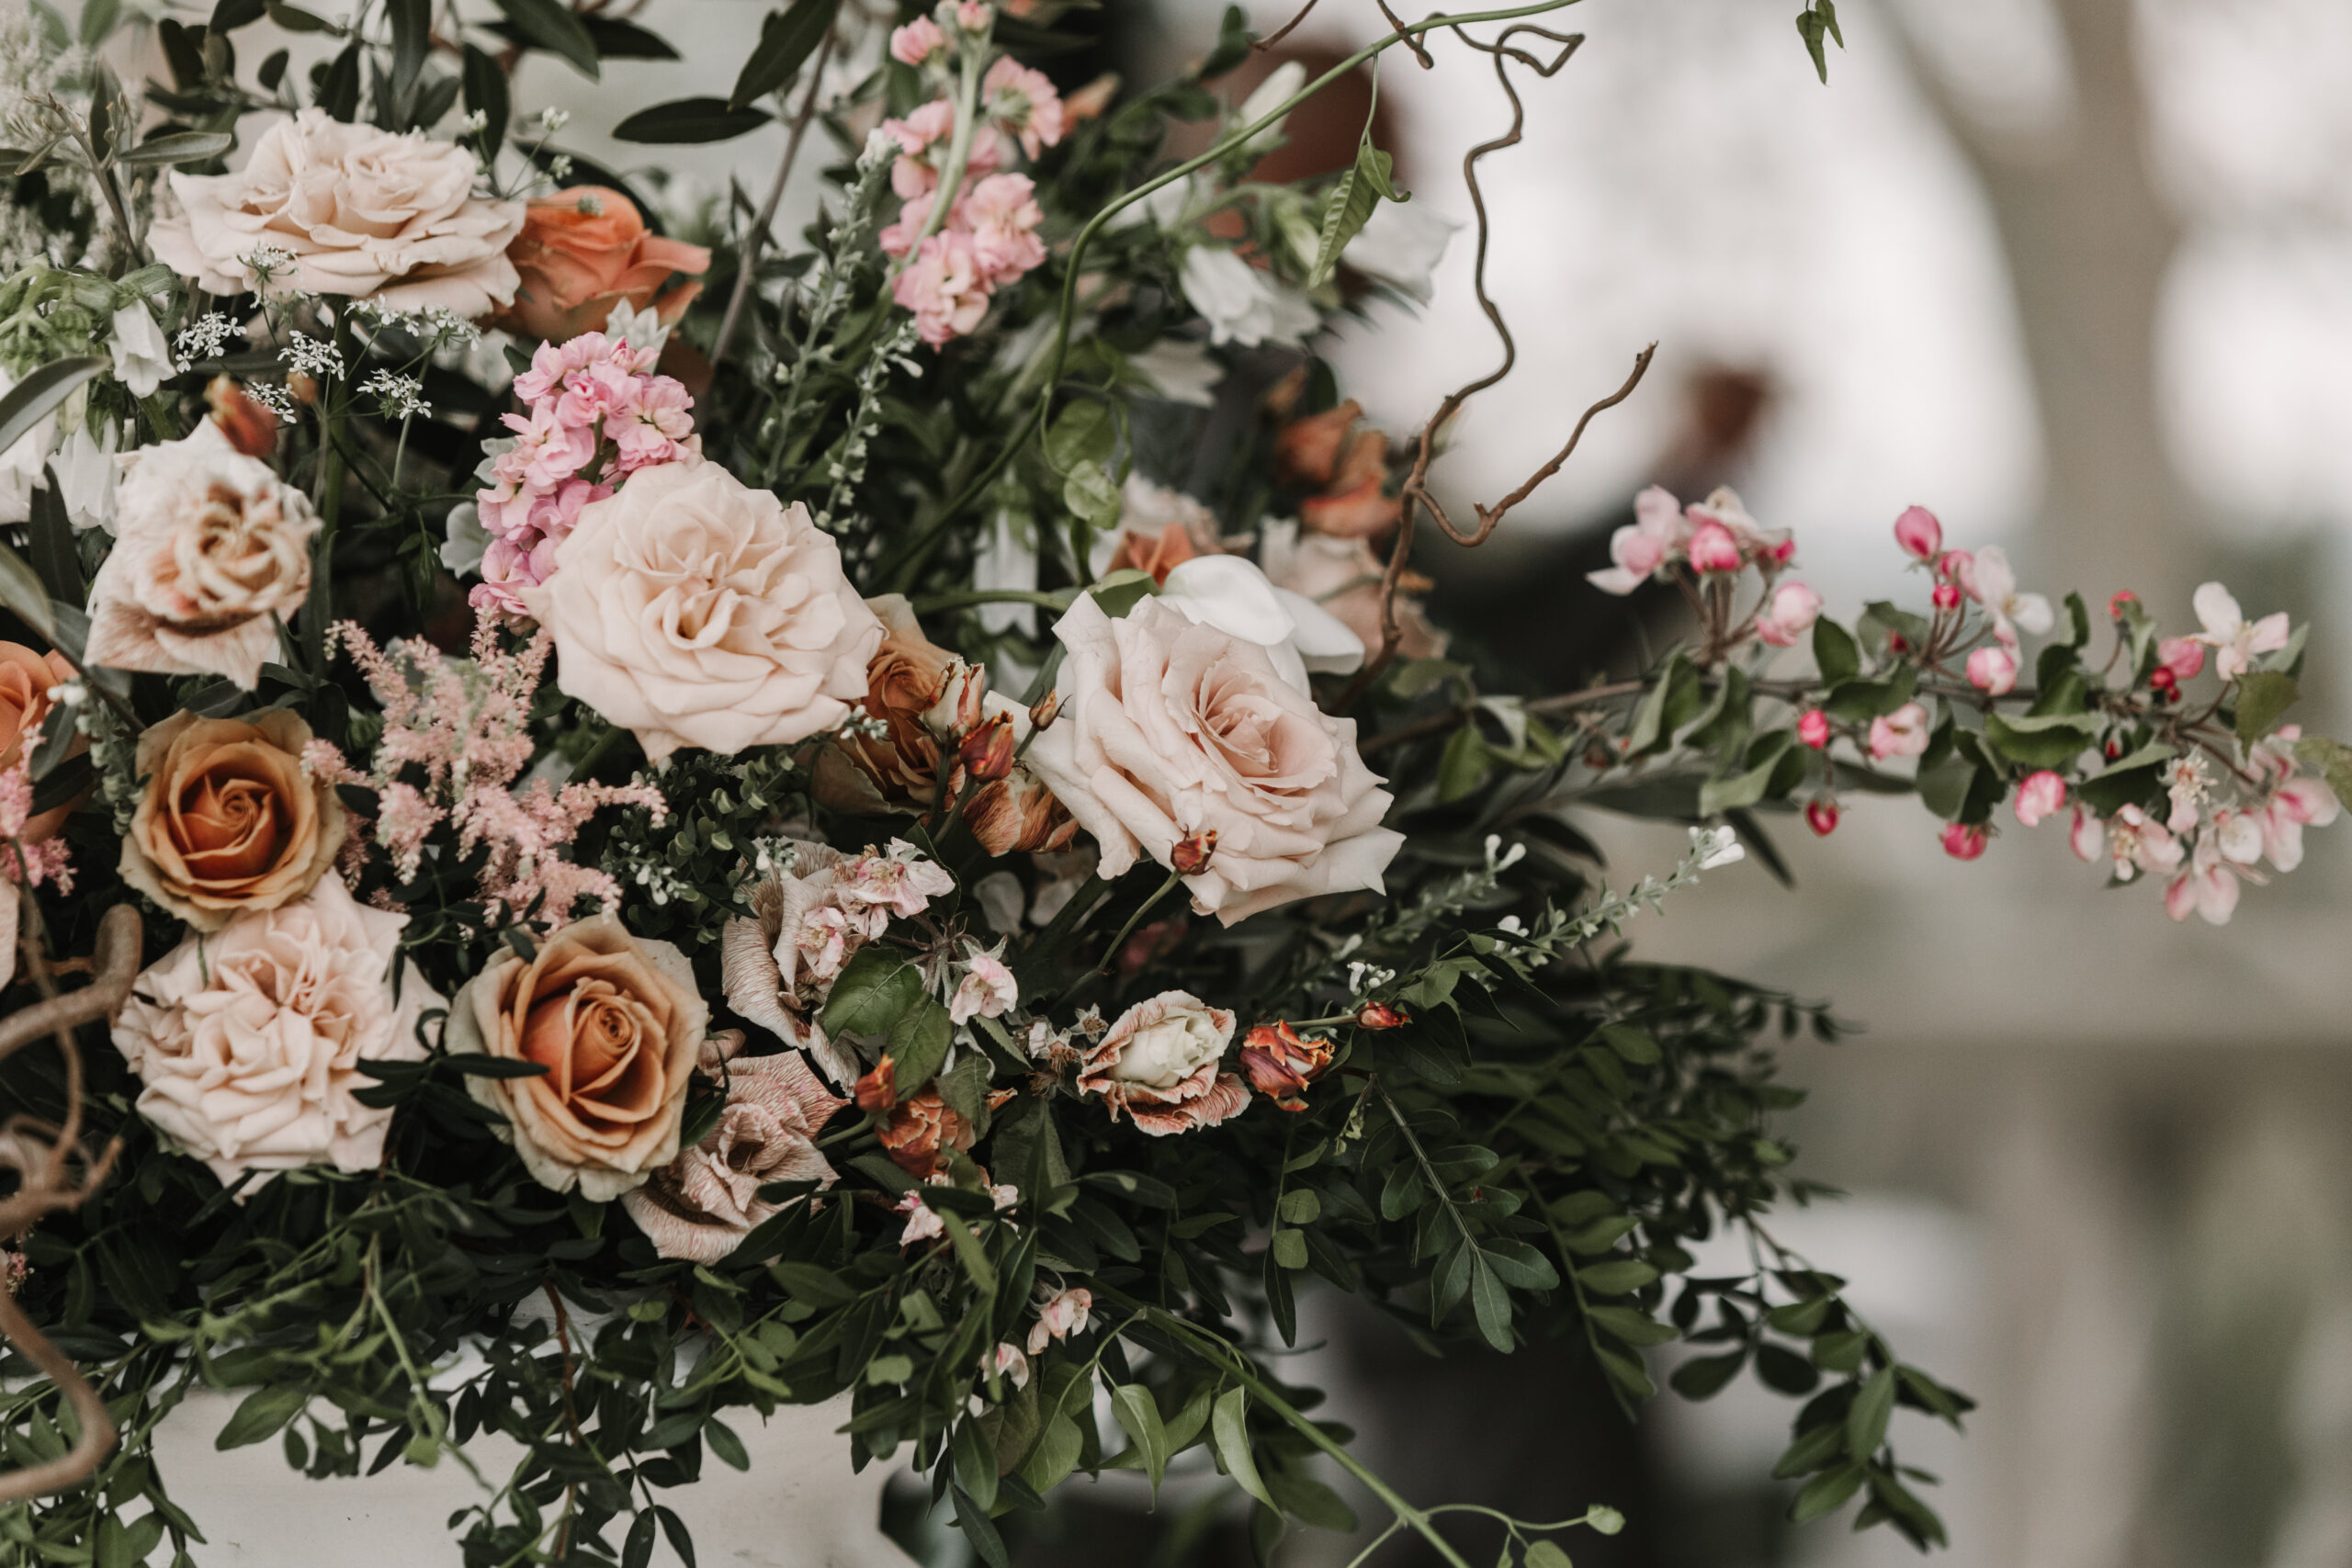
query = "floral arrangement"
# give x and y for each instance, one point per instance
(689, 814)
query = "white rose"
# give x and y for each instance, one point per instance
(361, 213)
(1159, 1065)
(249, 1039)
(699, 612)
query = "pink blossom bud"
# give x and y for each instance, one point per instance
(1902, 733)
(1821, 816)
(1945, 596)
(1918, 532)
(1780, 552)
(1963, 842)
(2184, 657)
(2040, 796)
(1958, 566)
(1713, 548)
(2087, 837)
(1993, 670)
(917, 41)
(1788, 614)
(971, 16)
(1812, 728)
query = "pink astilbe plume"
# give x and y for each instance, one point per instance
(456, 738)
(29, 864)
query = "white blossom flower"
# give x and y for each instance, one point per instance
(2235, 640)
(1243, 304)
(141, 358)
(1400, 245)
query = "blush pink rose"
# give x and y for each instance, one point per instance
(360, 212)
(1171, 731)
(249, 1039)
(698, 612)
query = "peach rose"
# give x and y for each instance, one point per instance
(918, 1129)
(617, 1023)
(211, 550)
(928, 700)
(586, 249)
(1344, 575)
(701, 1205)
(1172, 731)
(698, 612)
(356, 211)
(250, 1040)
(230, 821)
(1159, 1065)
(29, 683)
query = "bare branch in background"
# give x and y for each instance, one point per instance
(760, 226)
(1288, 27)
(42, 1154)
(1415, 493)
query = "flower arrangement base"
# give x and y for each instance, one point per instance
(800, 1506)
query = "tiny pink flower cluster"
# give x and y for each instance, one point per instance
(597, 414)
(1716, 537)
(1986, 578)
(989, 238)
(28, 864)
(456, 736)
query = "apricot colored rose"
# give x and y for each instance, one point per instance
(585, 250)
(617, 1023)
(229, 821)
(27, 678)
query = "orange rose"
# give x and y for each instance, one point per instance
(585, 250)
(617, 1021)
(920, 1129)
(229, 820)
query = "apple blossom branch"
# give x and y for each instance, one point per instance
(41, 1154)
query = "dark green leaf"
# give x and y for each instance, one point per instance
(1706, 1377)
(177, 147)
(2264, 697)
(786, 39)
(1866, 1420)
(486, 95)
(1826, 1492)
(690, 119)
(31, 400)
(918, 1041)
(551, 25)
(873, 993)
(1835, 652)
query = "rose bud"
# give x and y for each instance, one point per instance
(1280, 1062)
(1189, 857)
(877, 1090)
(1821, 816)
(986, 752)
(918, 1129)
(1047, 706)
(1380, 1015)
(251, 428)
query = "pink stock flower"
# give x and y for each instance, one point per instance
(1004, 214)
(1962, 842)
(2184, 655)
(1643, 545)
(943, 289)
(2041, 795)
(1022, 104)
(1788, 614)
(2207, 889)
(1993, 670)
(1064, 1313)
(1918, 532)
(987, 989)
(1995, 587)
(1812, 728)
(2235, 640)
(1713, 549)
(917, 41)
(1902, 733)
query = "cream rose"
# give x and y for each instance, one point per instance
(359, 212)
(211, 550)
(1171, 730)
(698, 612)
(229, 820)
(701, 1205)
(1159, 1065)
(249, 1040)
(615, 1021)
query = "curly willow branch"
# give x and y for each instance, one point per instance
(41, 1154)
(1414, 491)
